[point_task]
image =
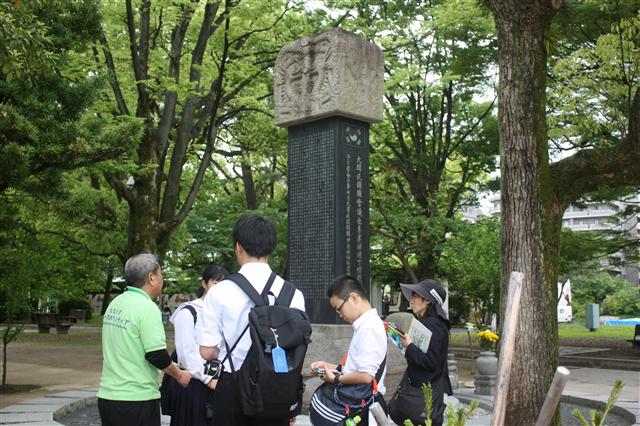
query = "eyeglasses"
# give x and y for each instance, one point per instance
(341, 305)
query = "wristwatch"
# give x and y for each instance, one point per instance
(336, 380)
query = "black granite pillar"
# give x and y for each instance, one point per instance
(328, 208)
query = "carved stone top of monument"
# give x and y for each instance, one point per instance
(328, 74)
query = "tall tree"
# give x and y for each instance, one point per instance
(535, 192)
(43, 99)
(187, 73)
(438, 141)
(45, 132)
(471, 262)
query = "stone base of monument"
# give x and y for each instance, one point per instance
(484, 385)
(329, 343)
(453, 371)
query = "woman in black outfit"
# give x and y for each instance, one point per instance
(426, 299)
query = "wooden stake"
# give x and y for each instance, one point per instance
(553, 397)
(512, 312)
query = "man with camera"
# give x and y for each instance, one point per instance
(134, 349)
(225, 317)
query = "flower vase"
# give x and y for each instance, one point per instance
(485, 373)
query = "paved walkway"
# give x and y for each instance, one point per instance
(584, 384)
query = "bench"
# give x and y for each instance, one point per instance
(636, 339)
(46, 321)
(80, 315)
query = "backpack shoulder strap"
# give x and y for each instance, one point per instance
(378, 376)
(381, 369)
(174, 354)
(229, 350)
(193, 312)
(246, 286)
(342, 361)
(286, 294)
(258, 299)
(266, 291)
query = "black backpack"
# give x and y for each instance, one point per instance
(263, 392)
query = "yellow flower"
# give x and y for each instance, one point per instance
(487, 339)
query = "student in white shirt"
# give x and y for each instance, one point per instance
(225, 316)
(191, 404)
(368, 347)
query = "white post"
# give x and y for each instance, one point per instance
(512, 312)
(378, 414)
(553, 397)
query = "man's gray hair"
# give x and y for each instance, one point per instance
(138, 268)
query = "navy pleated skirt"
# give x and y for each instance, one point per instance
(192, 405)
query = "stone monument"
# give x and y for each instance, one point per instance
(328, 88)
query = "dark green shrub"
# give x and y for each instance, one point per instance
(458, 308)
(625, 301)
(65, 307)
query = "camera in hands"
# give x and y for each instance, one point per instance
(213, 368)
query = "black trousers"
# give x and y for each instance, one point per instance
(130, 413)
(227, 410)
(437, 410)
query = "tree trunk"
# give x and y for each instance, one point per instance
(107, 289)
(249, 187)
(535, 194)
(527, 218)
(143, 207)
(426, 266)
(142, 226)
(9, 335)
(5, 343)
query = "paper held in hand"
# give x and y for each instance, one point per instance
(420, 335)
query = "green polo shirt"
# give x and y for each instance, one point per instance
(131, 327)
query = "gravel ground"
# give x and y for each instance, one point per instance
(569, 420)
(88, 416)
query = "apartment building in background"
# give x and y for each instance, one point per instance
(594, 216)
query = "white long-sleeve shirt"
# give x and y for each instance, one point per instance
(187, 348)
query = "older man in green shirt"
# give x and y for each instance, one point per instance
(134, 349)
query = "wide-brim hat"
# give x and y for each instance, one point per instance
(429, 289)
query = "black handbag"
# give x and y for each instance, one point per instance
(331, 405)
(407, 403)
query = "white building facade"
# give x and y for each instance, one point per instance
(600, 217)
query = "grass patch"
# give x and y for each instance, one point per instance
(461, 339)
(579, 330)
(52, 339)
(95, 321)
(575, 330)
(87, 339)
